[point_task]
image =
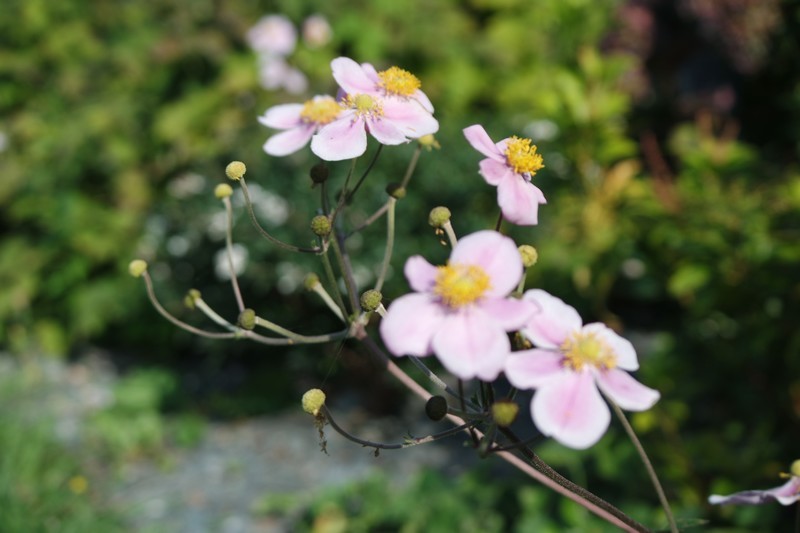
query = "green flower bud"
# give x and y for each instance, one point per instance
(235, 170)
(191, 297)
(313, 400)
(529, 255)
(371, 300)
(436, 408)
(429, 142)
(321, 225)
(319, 173)
(223, 190)
(396, 191)
(247, 319)
(137, 267)
(311, 281)
(439, 216)
(504, 412)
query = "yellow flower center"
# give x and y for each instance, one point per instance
(320, 110)
(581, 349)
(364, 104)
(460, 285)
(522, 156)
(395, 80)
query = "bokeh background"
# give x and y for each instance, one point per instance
(670, 132)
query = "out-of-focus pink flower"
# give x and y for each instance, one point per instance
(509, 166)
(786, 494)
(568, 366)
(393, 110)
(275, 73)
(273, 35)
(461, 311)
(316, 31)
(299, 121)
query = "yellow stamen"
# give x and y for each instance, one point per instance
(395, 80)
(320, 110)
(582, 349)
(364, 104)
(460, 285)
(522, 156)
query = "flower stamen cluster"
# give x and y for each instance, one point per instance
(582, 349)
(522, 156)
(320, 111)
(460, 285)
(364, 105)
(395, 80)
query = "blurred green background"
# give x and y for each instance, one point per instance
(670, 133)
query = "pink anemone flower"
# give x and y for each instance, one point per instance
(300, 122)
(509, 166)
(461, 311)
(786, 494)
(393, 110)
(568, 366)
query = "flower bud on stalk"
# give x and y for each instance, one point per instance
(235, 170)
(247, 319)
(319, 173)
(313, 400)
(321, 225)
(396, 191)
(137, 267)
(371, 300)
(529, 255)
(223, 190)
(504, 412)
(436, 408)
(191, 297)
(439, 216)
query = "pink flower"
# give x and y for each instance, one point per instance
(568, 366)
(300, 122)
(510, 165)
(786, 494)
(388, 105)
(461, 311)
(273, 35)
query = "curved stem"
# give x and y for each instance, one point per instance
(365, 174)
(387, 255)
(298, 338)
(229, 247)
(326, 264)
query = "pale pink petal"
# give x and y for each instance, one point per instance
(625, 391)
(351, 76)
(471, 346)
(423, 99)
(509, 313)
(623, 349)
(556, 321)
(519, 200)
(289, 141)
(282, 116)
(421, 275)
(571, 410)
(786, 494)
(496, 254)
(531, 369)
(385, 131)
(495, 172)
(409, 116)
(344, 138)
(371, 73)
(410, 324)
(480, 140)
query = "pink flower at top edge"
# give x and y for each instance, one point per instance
(510, 165)
(571, 364)
(393, 112)
(299, 122)
(461, 311)
(273, 35)
(786, 494)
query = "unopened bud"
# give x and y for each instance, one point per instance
(191, 297)
(235, 170)
(504, 412)
(529, 255)
(319, 173)
(313, 400)
(311, 281)
(396, 191)
(247, 319)
(223, 190)
(137, 267)
(321, 225)
(436, 408)
(439, 216)
(429, 142)
(795, 468)
(371, 300)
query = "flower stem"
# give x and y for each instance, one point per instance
(298, 338)
(387, 255)
(229, 247)
(662, 497)
(326, 265)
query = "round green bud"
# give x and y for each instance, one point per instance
(396, 191)
(504, 412)
(529, 255)
(313, 400)
(439, 216)
(319, 173)
(429, 141)
(321, 225)
(371, 300)
(137, 267)
(436, 408)
(223, 190)
(247, 319)
(311, 282)
(191, 297)
(795, 468)
(235, 170)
